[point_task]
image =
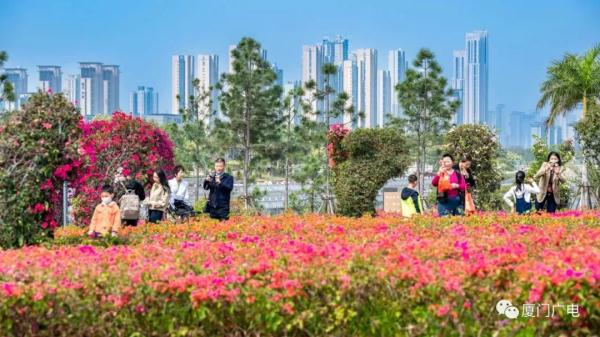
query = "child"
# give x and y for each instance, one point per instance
(521, 192)
(410, 201)
(107, 216)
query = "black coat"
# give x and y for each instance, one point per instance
(219, 197)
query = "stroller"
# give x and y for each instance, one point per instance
(180, 211)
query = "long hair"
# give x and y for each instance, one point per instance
(520, 180)
(162, 177)
(557, 156)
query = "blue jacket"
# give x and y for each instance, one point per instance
(219, 197)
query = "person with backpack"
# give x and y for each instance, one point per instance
(521, 193)
(131, 195)
(450, 184)
(159, 197)
(409, 198)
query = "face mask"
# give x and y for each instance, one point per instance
(106, 200)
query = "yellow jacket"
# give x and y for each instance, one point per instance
(106, 219)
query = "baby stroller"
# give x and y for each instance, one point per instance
(179, 211)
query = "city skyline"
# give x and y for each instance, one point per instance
(518, 59)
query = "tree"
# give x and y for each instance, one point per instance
(335, 105)
(6, 88)
(479, 142)
(293, 144)
(193, 143)
(38, 148)
(251, 102)
(573, 80)
(124, 141)
(428, 106)
(363, 161)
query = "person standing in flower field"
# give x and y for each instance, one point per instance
(521, 193)
(130, 196)
(550, 177)
(220, 185)
(467, 205)
(158, 201)
(410, 199)
(107, 216)
(449, 185)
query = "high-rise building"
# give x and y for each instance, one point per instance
(366, 62)
(384, 106)
(143, 102)
(18, 78)
(92, 88)
(99, 88)
(279, 73)
(397, 66)
(458, 83)
(50, 78)
(72, 89)
(110, 74)
(350, 87)
(476, 76)
(182, 77)
(208, 77)
(312, 62)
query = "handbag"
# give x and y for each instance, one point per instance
(469, 203)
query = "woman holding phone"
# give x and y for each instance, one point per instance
(550, 177)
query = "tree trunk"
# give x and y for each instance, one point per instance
(287, 185)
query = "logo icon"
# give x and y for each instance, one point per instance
(505, 307)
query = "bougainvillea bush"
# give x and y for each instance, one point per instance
(37, 148)
(311, 276)
(124, 141)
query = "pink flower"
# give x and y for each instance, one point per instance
(47, 125)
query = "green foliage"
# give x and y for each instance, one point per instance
(428, 105)
(373, 157)
(540, 152)
(251, 102)
(588, 135)
(37, 145)
(6, 88)
(573, 80)
(480, 142)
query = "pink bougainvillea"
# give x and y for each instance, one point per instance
(336, 134)
(122, 141)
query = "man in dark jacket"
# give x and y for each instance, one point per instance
(414, 206)
(220, 185)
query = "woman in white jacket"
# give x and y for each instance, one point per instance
(521, 194)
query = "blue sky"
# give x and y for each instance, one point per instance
(141, 36)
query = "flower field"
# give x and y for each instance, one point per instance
(311, 276)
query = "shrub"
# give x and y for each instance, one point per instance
(138, 146)
(363, 161)
(37, 153)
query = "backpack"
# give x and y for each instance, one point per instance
(130, 206)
